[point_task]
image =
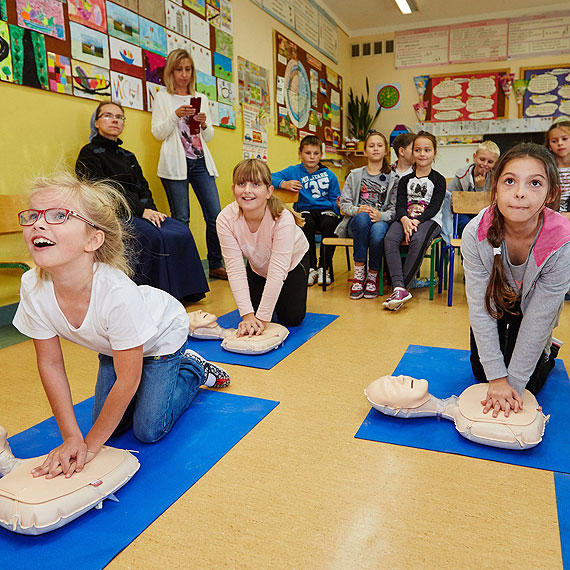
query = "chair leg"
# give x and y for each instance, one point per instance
(324, 255)
(347, 258)
(451, 269)
(441, 269)
(381, 278)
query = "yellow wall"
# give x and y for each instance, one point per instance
(380, 69)
(42, 131)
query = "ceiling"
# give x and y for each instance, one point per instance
(368, 17)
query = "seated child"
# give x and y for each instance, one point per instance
(402, 146)
(476, 177)
(318, 192)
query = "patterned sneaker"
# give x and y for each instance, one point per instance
(396, 299)
(371, 286)
(357, 289)
(216, 377)
(313, 277)
(320, 280)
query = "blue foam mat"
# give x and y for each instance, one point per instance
(449, 372)
(212, 425)
(212, 349)
(562, 484)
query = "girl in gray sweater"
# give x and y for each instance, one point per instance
(517, 269)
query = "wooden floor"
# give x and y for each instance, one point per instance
(300, 492)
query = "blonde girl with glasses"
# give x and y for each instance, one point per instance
(80, 291)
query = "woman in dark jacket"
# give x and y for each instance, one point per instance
(166, 255)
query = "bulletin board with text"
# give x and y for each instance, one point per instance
(547, 92)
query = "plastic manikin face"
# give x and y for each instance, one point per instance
(201, 319)
(399, 391)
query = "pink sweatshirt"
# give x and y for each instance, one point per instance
(273, 250)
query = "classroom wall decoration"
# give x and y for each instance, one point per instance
(308, 94)
(547, 91)
(96, 49)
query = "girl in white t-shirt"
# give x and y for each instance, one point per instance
(259, 227)
(80, 291)
(558, 142)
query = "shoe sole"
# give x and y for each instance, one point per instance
(370, 295)
(390, 304)
(354, 298)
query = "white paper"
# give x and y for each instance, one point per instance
(199, 31)
(177, 18)
(202, 58)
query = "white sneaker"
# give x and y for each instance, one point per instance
(313, 277)
(320, 281)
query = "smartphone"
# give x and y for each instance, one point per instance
(195, 103)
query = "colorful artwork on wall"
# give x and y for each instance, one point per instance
(223, 67)
(126, 89)
(123, 24)
(29, 65)
(90, 81)
(153, 36)
(224, 43)
(199, 6)
(59, 73)
(213, 16)
(151, 90)
(202, 58)
(126, 57)
(90, 13)
(153, 66)
(89, 45)
(226, 116)
(176, 41)
(199, 31)
(206, 84)
(43, 16)
(5, 54)
(177, 19)
(225, 92)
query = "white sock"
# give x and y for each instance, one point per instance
(359, 272)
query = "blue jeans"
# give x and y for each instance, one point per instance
(167, 387)
(204, 185)
(368, 236)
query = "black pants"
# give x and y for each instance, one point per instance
(315, 221)
(291, 306)
(508, 327)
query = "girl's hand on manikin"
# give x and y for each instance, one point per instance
(501, 397)
(250, 326)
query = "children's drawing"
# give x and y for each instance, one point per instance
(176, 41)
(123, 24)
(199, 6)
(90, 81)
(202, 58)
(29, 64)
(226, 116)
(59, 73)
(199, 31)
(223, 67)
(153, 37)
(89, 45)
(43, 16)
(224, 43)
(213, 4)
(126, 89)
(206, 84)
(213, 112)
(226, 18)
(153, 67)
(125, 57)
(213, 16)
(225, 92)
(3, 11)
(177, 19)
(5, 54)
(151, 90)
(90, 13)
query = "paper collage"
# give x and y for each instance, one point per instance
(126, 89)
(59, 73)
(29, 67)
(154, 67)
(125, 57)
(42, 16)
(90, 81)
(90, 13)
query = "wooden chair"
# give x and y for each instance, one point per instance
(287, 196)
(462, 203)
(10, 205)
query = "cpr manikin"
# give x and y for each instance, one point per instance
(205, 326)
(407, 397)
(36, 505)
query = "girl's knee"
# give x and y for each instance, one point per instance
(293, 319)
(148, 433)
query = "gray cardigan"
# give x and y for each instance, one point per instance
(351, 195)
(546, 280)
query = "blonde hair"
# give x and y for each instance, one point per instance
(489, 146)
(173, 59)
(255, 170)
(101, 204)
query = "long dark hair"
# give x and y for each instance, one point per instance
(500, 298)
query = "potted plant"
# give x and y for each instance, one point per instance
(359, 115)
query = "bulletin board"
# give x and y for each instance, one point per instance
(98, 49)
(308, 94)
(548, 91)
(471, 96)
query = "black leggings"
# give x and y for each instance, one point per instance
(508, 327)
(291, 306)
(315, 221)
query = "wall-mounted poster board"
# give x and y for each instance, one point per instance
(308, 94)
(548, 91)
(471, 96)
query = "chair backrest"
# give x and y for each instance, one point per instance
(469, 202)
(287, 196)
(10, 205)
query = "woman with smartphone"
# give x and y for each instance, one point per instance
(180, 120)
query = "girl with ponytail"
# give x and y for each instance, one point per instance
(517, 269)
(261, 228)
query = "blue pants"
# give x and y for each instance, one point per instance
(368, 237)
(204, 185)
(168, 386)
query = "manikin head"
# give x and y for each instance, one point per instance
(201, 319)
(398, 391)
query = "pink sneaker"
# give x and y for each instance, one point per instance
(397, 299)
